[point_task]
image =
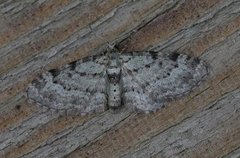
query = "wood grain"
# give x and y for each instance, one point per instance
(36, 36)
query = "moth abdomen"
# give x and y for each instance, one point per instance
(114, 95)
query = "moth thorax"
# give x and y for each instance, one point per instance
(114, 74)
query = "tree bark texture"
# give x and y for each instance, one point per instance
(39, 35)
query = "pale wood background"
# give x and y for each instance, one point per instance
(38, 35)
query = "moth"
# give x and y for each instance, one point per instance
(138, 80)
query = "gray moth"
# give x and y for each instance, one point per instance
(138, 80)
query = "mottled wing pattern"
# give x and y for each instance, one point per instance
(78, 87)
(150, 79)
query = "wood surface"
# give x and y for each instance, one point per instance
(39, 35)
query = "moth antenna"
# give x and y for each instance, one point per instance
(109, 46)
